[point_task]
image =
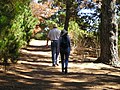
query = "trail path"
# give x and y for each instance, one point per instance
(34, 71)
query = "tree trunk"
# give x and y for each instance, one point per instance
(67, 15)
(109, 34)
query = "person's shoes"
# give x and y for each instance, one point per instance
(53, 65)
(57, 64)
(62, 69)
(66, 70)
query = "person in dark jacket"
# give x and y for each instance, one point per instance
(65, 47)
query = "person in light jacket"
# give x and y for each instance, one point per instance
(54, 35)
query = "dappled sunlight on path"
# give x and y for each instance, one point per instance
(34, 71)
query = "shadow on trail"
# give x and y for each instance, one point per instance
(34, 72)
(37, 48)
(42, 77)
(35, 58)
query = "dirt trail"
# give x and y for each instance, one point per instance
(34, 72)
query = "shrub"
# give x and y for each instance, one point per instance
(16, 29)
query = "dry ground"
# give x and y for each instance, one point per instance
(34, 72)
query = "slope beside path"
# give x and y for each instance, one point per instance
(34, 71)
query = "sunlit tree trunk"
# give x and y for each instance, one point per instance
(109, 34)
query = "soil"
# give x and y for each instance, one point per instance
(34, 71)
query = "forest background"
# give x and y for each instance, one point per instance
(82, 19)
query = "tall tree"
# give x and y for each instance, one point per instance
(71, 11)
(67, 15)
(109, 34)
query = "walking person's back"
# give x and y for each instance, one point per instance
(65, 48)
(54, 35)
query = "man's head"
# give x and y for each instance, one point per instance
(54, 25)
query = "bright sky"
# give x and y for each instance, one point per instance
(86, 11)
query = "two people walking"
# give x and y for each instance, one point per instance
(60, 43)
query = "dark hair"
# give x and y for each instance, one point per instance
(64, 33)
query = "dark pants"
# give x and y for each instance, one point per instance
(65, 58)
(55, 51)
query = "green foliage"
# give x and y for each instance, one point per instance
(23, 25)
(50, 24)
(40, 36)
(3, 20)
(46, 26)
(16, 28)
(75, 32)
(79, 36)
